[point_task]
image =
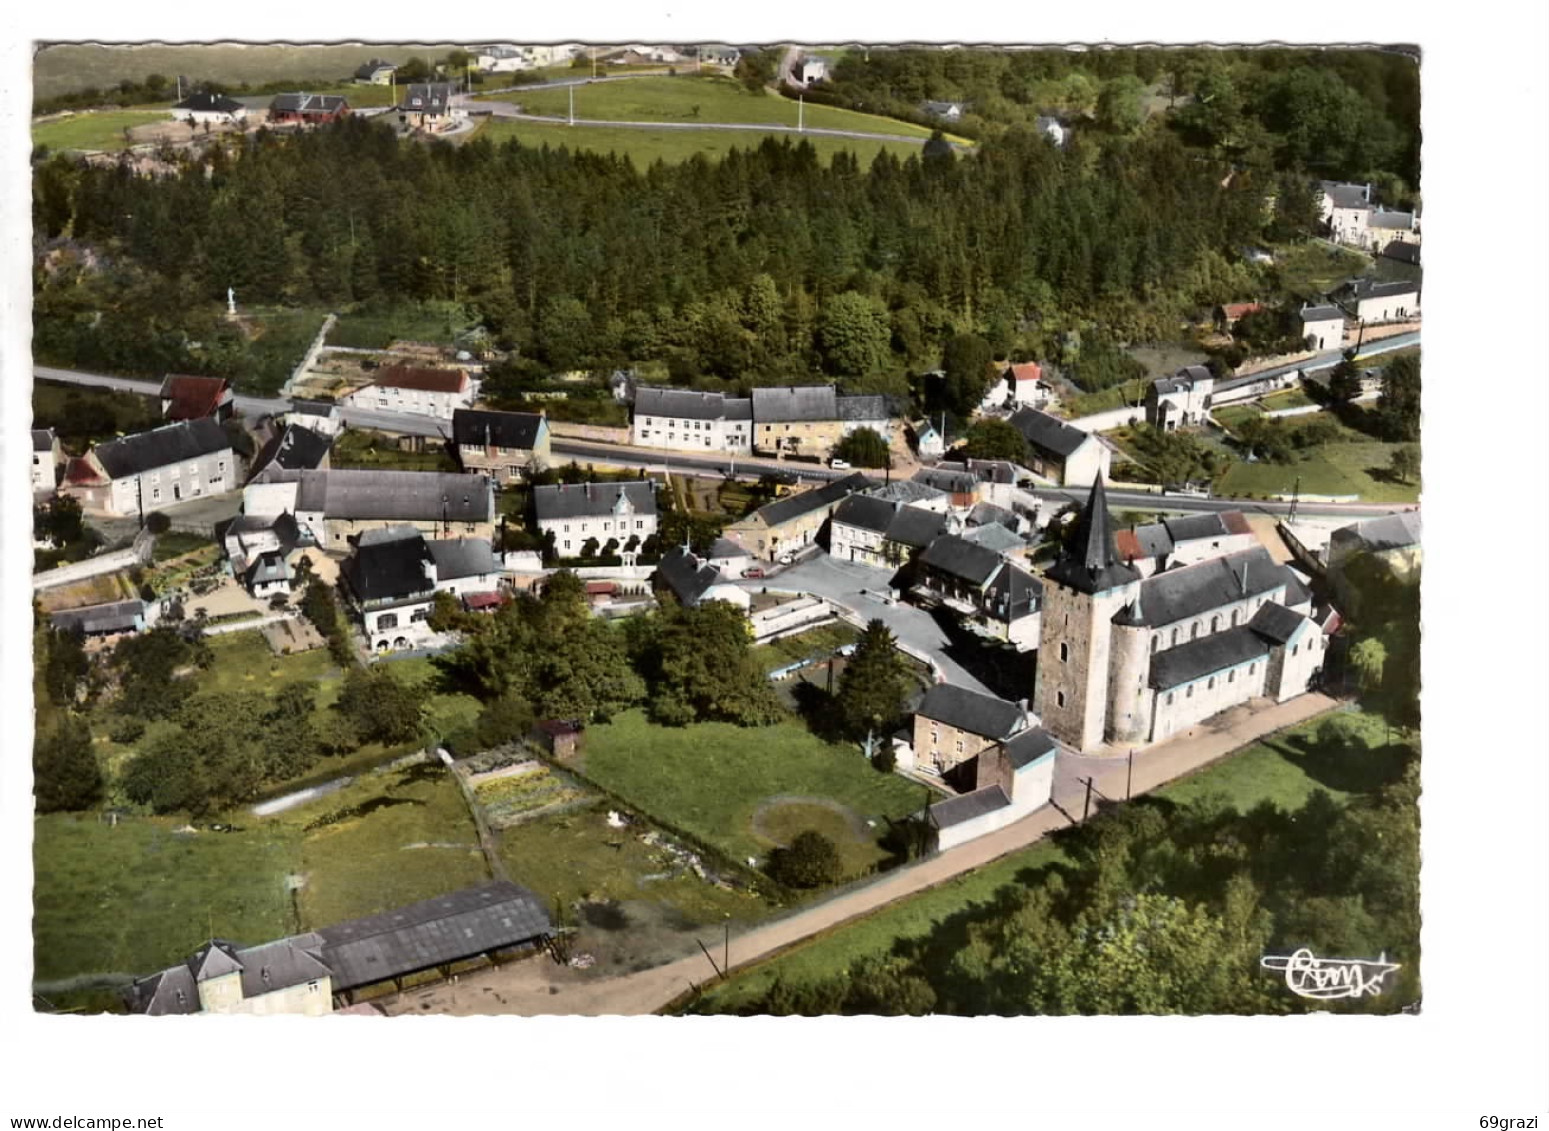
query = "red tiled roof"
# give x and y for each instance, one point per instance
(1235, 310)
(193, 398)
(1128, 547)
(600, 587)
(475, 601)
(1026, 371)
(80, 472)
(1235, 522)
(425, 380)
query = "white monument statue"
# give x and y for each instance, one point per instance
(231, 301)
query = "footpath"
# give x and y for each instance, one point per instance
(539, 987)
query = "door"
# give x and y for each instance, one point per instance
(177, 491)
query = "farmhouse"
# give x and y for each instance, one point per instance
(687, 421)
(436, 393)
(694, 580)
(1060, 451)
(306, 974)
(794, 522)
(308, 109)
(575, 513)
(1011, 778)
(808, 420)
(149, 470)
(337, 506)
(205, 107)
(503, 445)
(952, 725)
(377, 72)
(1383, 302)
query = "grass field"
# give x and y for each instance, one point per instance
(1350, 468)
(1107, 399)
(174, 544)
(710, 778)
(60, 68)
(671, 146)
(376, 328)
(100, 130)
(1283, 769)
(373, 450)
(708, 99)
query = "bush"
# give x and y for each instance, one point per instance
(157, 523)
(811, 861)
(127, 731)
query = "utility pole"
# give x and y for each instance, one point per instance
(1129, 779)
(1087, 808)
(572, 105)
(801, 104)
(1296, 495)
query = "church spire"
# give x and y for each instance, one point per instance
(1092, 565)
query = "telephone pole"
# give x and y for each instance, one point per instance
(572, 106)
(1087, 808)
(800, 112)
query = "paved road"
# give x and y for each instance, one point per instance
(538, 987)
(843, 582)
(508, 110)
(1330, 358)
(651, 457)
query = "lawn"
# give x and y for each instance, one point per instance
(1283, 769)
(175, 544)
(1105, 400)
(1291, 398)
(814, 643)
(362, 449)
(672, 146)
(1357, 467)
(707, 99)
(102, 129)
(711, 778)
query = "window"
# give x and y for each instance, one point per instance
(567, 531)
(960, 746)
(1211, 686)
(155, 494)
(1215, 623)
(420, 614)
(1059, 698)
(1064, 652)
(313, 987)
(1231, 676)
(387, 620)
(567, 543)
(1175, 638)
(1194, 631)
(1252, 668)
(1169, 698)
(1295, 648)
(1156, 642)
(1234, 618)
(639, 524)
(1189, 692)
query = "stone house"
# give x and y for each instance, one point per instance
(953, 725)
(880, 532)
(577, 512)
(335, 507)
(683, 420)
(794, 522)
(1012, 779)
(149, 470)
(436, 393)
(993, 596)
(1375, 302)
(506, 446)
(322, 417)
(808, 420)
(1061, 451)
(47, 455)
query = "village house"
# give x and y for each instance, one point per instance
(1018, 384)
(335, 507)
(945, 112)
(1125, 660)
(207, 108)
(808, 420)
(788, 525)
(1343, 208)
(575, 513)
(293, 448)
(310, 974)
(952, 725)
(1053, 129)
(376, 72)
(1391, 542)
(1228, 314)
(322, 417)
(149, 470)
(1323, 327)
(954, 482)
(500, 58)
(394, 576)
(107, 621)
(718, 55)
(429, 105)
(308, 109)
(694, 580)
(928, 442)
(47, 455)
(263, 550)
(881, 532)
(1061, 451)
(1183, 540)
(686, 421)
(1401, 251)
(810, 69)
(437, 393)
(991, 595)
(193, 398)
(1011, 779)
(1180, 401)
(1371, 302)
(507, 446)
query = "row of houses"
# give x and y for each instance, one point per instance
(1351, 215)
(800, 420)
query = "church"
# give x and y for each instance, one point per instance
(1129, 660)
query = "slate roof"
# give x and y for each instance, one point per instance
(1199, 658)
(215, 959)
(984, 715)
(389, 571)
(1177, 594)
(985, 514)
(371, 67)
(269, 567)
(192, 397)
(686, 575)
(794, 403)
(915, 527)
(685, 404)
(1150, 540)
(296, 448)
(1296, 593)
(1402, 252)
(1367, 288)
(114, 616)
(946, 481)
(1324, 313)
(866, 513)
(1014, 594)
(169, 444)
(1276, 623)
(993, 470)
(462, 557)
(42, 439)
(1194, 526)
(396, 495)
(307, 103)
(994, 536)
(1048, 434)
(281, 964)
(205, 102)
(794, 506)
(315, 408)
(863, 408)
(960, 558)
(421, 378)
(475, 427)
(956, 810)
(1390, 532)
(440, 930)
(1382, 218)
(588, 500)
(1092, 564)
(1029, 746)
(1347, 196)
(906, 491)
(428, 97)
(170, 992)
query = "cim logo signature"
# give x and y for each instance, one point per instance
(1325, 979)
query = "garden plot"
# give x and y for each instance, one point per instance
(514, 794)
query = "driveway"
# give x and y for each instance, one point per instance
(842, 583)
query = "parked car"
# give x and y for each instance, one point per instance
(753, 571)
(786, 559)
(838, 465)
(1189, 490)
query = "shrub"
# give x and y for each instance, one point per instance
(157, 523)
(127, 731)
(811, 861)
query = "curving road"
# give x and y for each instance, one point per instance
(510, 111)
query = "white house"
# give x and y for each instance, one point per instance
(1061, 451)
(395, 574)
(1323, 327)
(376, 72)
(46, 456)
(149, 470)
(215, 109)
(322, 417)
(694, 580)
(687, 421)
(1182, 541)
(1180, 400)
(577, 512)
(928, 442)
(811, 69)
(500, 58)
(1385, 302)
(1052, 129)
(947, 112)
(436, 393)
